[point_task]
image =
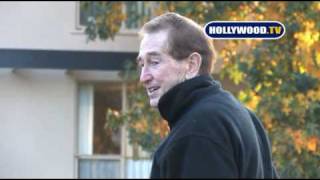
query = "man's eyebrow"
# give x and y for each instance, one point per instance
(153, 53)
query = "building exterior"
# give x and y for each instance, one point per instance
(54, 89)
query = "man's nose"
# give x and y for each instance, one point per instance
(145, 76)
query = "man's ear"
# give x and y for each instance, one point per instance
(194, 63)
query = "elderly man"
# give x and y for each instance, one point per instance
(211, 135)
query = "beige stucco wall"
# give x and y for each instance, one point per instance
(52, 25)
(37, 124)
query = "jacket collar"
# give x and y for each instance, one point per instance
(182, 96)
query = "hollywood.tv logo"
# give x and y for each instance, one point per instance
(244, 29)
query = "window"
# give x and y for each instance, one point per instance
(103, 153)
(100, 150)
(134, 9)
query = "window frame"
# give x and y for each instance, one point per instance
(119, 157)
(123, 30)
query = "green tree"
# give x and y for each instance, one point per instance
(280, 77)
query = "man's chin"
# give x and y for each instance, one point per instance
(154, 103)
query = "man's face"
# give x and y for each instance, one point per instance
(159, 71)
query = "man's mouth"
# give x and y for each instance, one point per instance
(151, 90)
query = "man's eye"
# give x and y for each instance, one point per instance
(154, 62)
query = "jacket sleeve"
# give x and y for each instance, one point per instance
(199, 157)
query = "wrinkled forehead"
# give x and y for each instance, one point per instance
(154, 42)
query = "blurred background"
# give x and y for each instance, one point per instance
(71, 105)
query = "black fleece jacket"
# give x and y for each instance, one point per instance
(211, 135)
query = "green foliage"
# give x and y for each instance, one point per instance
(105, 18)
